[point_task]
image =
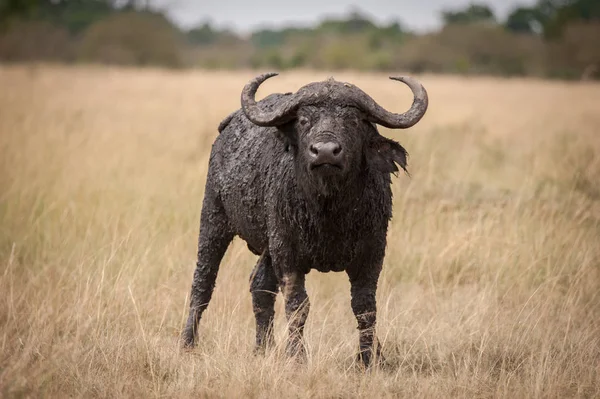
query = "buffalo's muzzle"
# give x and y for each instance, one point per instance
(326, 154)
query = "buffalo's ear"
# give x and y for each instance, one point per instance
(384, 154)
(287, 133)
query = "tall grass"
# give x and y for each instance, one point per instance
(491, 280)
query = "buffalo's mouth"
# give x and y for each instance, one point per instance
(326, 166)
(326, 169)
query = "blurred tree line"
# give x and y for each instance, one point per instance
(553, 38)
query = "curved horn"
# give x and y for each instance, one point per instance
(381, 116)
(284, 112)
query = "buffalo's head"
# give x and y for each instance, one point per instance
(330, 127)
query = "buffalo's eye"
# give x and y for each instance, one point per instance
(303, 120)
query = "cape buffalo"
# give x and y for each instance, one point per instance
(304, 179)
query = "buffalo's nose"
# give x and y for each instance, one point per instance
(326, 153)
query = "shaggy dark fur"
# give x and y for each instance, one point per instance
(297, 211)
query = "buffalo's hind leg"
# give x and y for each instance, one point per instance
(263, 286)
(215, 236)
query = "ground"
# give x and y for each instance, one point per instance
(490, 285)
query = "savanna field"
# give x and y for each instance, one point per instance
(491, 282)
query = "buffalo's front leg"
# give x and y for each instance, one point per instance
(363, 289)
(296, 310)
(263, 286)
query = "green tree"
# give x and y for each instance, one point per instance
(74, 15)
(268, 38)
(356, 22)
(562, 13)
(552, 16)
(202, 35)
(525, 20)
(474, 13)
(10, 9)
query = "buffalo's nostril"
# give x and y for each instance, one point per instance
(328, 149)
(326, 153)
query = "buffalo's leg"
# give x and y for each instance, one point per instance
(263, 286)
(213, 241)
(363, 289)
(296, 310)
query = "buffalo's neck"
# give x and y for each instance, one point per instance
(329, 231)
(331, 194)
(359, 196)
(298, 201)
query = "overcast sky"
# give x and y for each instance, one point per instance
(247, 15)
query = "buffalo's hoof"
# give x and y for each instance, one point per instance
(296, 351)
(187, 339)
(264, 343)
(369, 359)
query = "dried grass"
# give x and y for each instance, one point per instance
(490, 285)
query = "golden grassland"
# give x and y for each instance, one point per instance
(491, 283)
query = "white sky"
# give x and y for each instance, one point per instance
(246, 15)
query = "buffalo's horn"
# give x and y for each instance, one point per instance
(379, 115)
(284, 112)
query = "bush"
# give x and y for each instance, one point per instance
(133, 38)
(474, 48)
(577, 54)
(343, 52)
(35, 41)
